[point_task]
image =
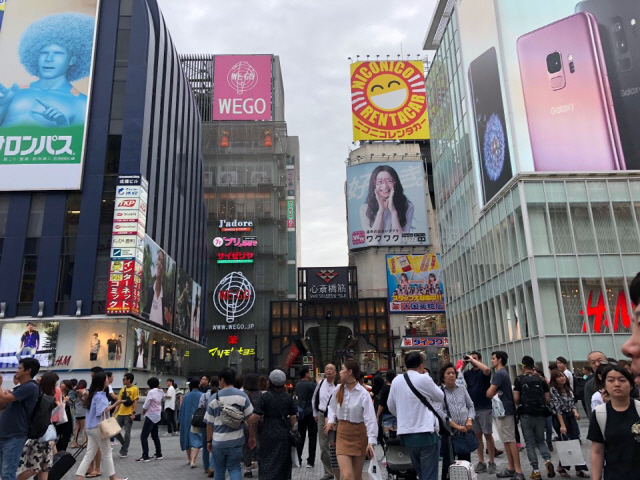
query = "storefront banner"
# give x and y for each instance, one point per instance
(242, 87)
(389, 101)
(28, 340)
(414, 342)
(45, 89)
(415, 284)
(327, 283)
(386, 205)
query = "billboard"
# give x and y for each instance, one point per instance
(184, 307)
(242, 87)
(386, 205)
(552, 87)
(45, 92)
(327, 283)
(415, 284)
(389, 101)
(34, 339)
(158, 285)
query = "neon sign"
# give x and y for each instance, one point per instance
(234, 296)
(599, 311)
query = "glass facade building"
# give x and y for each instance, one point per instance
(542, 269)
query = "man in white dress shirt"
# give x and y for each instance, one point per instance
(320, 402)
(417, 425)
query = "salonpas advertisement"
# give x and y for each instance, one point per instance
(553, 86)
(47, 52)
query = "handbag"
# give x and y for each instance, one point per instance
(445, 429)
(50, 435)
(497, 407)
(109, 427)
(463, 443)
(62, 414)
(569, 452)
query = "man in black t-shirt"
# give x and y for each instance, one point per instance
(304, 391)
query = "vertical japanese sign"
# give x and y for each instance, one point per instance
(291, 181)
(291, 214)
(415, 284)
(127, 245)
(45, 91)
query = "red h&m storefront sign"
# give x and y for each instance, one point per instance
(601, 319)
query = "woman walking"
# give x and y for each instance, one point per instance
(189, 440)
(615, 429)
(65, 429)
(565, 417)
(277, 410)
(353, 408)
(461, 412)
(81, 412)
(152, 409)
(98, 408)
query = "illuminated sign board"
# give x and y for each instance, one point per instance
(225, 352)
(235, 226)
(291, 214)
(234, 296)
(235, 257)
(416, 342)
(235, 242)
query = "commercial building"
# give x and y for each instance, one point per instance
(538, 241)
(252, 192)
(133, 153)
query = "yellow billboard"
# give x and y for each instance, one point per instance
(389, 101)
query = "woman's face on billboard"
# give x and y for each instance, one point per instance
(384, 184)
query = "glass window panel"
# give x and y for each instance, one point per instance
(555, 192)
(582, 229)
(605, 232)
(619, 191)
(560, 229)
(598, 192)
(540, 235)
(577, 191)
(550, 307)
(620, 312)
(596, 306)
(626, 228)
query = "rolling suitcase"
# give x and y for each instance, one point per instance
(62, 463)
(462, 470)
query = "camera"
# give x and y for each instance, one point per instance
(554, 62)
(466, 358)
(620, 37)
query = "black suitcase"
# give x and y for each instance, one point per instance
(62, 463)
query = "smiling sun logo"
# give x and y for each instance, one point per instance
(388, 101)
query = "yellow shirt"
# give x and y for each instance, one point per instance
(133, 394)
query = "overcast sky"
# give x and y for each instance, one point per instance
(313, 40)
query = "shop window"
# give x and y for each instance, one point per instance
(620, 309)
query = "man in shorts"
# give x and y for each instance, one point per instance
(478, 380)
(501, 385)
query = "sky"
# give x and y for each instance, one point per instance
(314, 40)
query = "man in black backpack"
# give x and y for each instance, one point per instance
(14, 423)
(532, 394)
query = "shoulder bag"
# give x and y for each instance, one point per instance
(445, 429)
(109, 426)
(232, 415)
(463, 443)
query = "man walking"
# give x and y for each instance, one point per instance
(563, 366)
(18, 409)
(224, 441)
(478, 381)
(304, 391)
(204, 383)
(532, 394)
(595, 358)
(320, 402)
(126, 413)
(170, 408)
(501, 385)
(417, 426)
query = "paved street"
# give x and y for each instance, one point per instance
(174, 464)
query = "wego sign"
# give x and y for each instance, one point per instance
(234, 296)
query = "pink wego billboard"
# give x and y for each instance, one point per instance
(242, 87)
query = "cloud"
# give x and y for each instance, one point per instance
(313, 40)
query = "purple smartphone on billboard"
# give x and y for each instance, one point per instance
(619, 25)
(568, 101)
(491, 134)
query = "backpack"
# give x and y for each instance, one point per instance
(41, 416)
(532, 396)
(231, 415)
(601, 415)
(578, 387)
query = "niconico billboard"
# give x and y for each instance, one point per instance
(45, 91)
(386, 205)
(552, 86)
(242, 87)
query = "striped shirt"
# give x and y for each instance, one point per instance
(459, 404)
(224, 436)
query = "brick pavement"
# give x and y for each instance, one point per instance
(174, 464)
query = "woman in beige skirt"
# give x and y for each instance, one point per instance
(357, 432)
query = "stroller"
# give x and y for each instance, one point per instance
(398, 462)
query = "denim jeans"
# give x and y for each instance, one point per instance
(227, 459)
(150, 428)
(206, 456)
(125, 422)
(10, 455)
(533, 431)
(425, 460)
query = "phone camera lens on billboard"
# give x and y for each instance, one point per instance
(554, 62)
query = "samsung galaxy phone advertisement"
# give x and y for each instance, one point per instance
(554, 86)
(415, 284)
(386, 204)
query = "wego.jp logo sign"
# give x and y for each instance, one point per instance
(234, 296)
(327, 275)
(242, 77)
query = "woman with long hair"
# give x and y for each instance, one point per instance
(65, 429)
(566, 416)
(387, 209)
(357, 428)
(98, 406)
(81, 413)
(614, 429)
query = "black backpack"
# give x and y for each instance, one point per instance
(532, 396)
(41, 416)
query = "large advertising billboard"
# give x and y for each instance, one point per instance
(45, 92)
(242, 87)
(386, 205)
(552, 86)
(389, 101)
(34, 340)
(157, 294)
(415, 284)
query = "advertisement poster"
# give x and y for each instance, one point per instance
(415, 284)
(552, 87)
(158, 285)
(184, 306)
(196, 302)
(28, 340)
(242, 87)
(141, 351)
(45, 91)
(389, 101)
(386, 205)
